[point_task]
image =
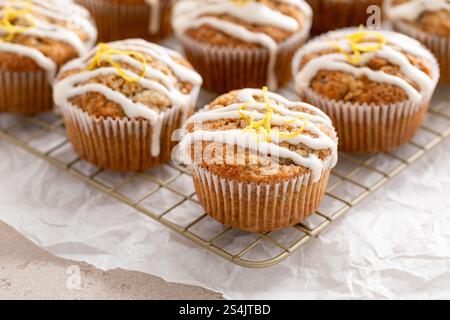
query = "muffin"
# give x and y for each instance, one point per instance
(335, 14)
(428, 22)
(36, 38)
(259, 162)
(241, 43)
(122, 19)
(375, 86)
(122, 101)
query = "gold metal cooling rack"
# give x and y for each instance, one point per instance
(166, 194)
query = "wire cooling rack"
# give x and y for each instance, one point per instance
(166, 194)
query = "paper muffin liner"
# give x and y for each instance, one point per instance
(440, 46)
(226, 69)
(364, 128)
(121, 144)
(25, 92)
(118, 20)
(260, 207)
(332, 14)
(371, 128)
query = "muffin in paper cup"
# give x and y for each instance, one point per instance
(122, 102)
(235, 45)
(336, 14)
(428, 22)
(122, 19)
(259, 161)
(31, 52)
(375, 85)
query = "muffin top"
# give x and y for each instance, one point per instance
(254, 135)
(242, 23)
(431, 16)
(128, 79)
(43, 34)
(365, 67)
(236, 23)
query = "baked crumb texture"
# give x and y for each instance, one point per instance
(375, 85)
(242, 43)
(260, 162)
(122, 19)
(428, 22)
(122, 101)
(335, 14)
(36, 38)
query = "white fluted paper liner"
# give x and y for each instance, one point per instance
(260, 207)
(25, 92)
(122, 144)
(365, 128)
(440, 46)
(226, 69)
(371, 128)
(121, 20)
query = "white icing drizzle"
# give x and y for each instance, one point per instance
(284, 112)
(190, 14)
(67, 12)
(153, 79)
(390, 51)
(412, 9)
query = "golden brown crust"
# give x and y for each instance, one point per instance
(342, 86)
(98, 105)
(210, 35)
(246, 165)
(58, 51)
(436, 22)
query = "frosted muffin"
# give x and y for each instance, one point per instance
(122, 19)
(36, 38)
(428, 22)
(335, 14)
(376, 86)
(122, 101)
(259, 161)
(237, 44)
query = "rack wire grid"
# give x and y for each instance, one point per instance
(167, 195)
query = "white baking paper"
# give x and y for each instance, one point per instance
(396, 244)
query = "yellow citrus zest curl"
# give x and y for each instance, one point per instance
(105, 53)
(11, 14)
(357, 46)
(295, 133)
(240, 3)
(263, 127)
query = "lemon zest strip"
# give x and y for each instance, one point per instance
(263, 127)
(298, 132)
(105, 53)
(10, 14)
(240, 3)
(358, 47)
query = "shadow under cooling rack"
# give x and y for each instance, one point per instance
(166, 193)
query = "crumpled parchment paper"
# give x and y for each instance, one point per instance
(396, 244)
